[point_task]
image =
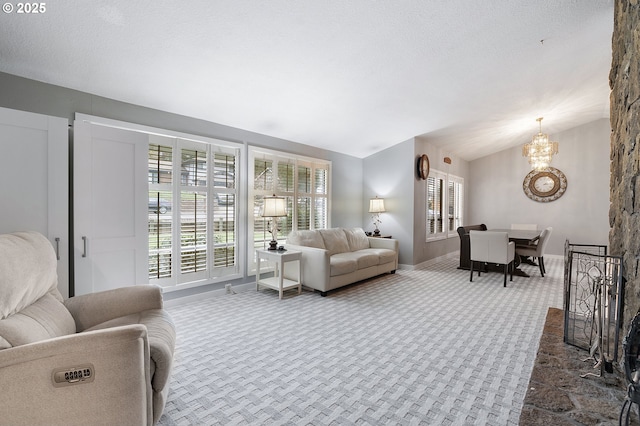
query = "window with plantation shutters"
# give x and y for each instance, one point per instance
(303, 182)
(321, 198)
(192, 211)
(444, 204)
(435, 204)
(160, 207)
(455, 201)
(224, 210)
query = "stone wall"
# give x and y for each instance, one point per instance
(624, 214)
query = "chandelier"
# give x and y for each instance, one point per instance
(540, 149)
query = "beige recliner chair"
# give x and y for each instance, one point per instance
(101, 358)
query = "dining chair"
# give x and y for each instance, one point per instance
(537, 250)
(524, 226)
(492, 247)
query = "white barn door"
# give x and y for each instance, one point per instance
(34, 180)
(110, 207)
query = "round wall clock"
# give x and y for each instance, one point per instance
(423, 166)
(546, 185)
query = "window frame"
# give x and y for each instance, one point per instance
(291, 191)
(211, 274)
(444, 211)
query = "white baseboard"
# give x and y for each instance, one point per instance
(429, 262)
(209, 294)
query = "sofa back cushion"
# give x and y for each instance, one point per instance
(357, 239)
(306, 238)
(335, 240)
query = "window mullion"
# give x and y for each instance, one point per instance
(176, 257)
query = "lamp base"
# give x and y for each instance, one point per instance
(273, 245)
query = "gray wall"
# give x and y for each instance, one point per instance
(581, 215)
(389, 174)
(423, 250)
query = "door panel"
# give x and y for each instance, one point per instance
(110, 207)
(34, 176)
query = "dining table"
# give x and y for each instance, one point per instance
(518, 236)
(521, 237)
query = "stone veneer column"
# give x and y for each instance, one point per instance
(624, 213)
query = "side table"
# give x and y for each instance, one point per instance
(278, 282)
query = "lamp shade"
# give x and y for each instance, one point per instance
(376, 205)
(274, 207)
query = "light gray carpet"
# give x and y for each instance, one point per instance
(418, 347)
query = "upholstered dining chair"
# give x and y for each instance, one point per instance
(537, 250)
(492, 247)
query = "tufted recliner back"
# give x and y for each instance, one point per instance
(31, 307)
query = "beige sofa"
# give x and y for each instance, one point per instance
(335, 257)
(100, 359)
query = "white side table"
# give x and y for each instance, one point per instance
(278, 282)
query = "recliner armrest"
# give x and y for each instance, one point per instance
(92, 309)
(120, 392)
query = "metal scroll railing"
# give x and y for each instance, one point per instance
(593, 298)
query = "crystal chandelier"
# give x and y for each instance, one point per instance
(540, 150)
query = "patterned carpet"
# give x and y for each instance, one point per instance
(417, 347)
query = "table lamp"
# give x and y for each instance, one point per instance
(376, 206)
(274, 207)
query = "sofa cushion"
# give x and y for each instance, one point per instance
(357, 239)
(335, 240)
(342, 263)
(306, 238)
(384, 255)
(365, 259)
(44, 319)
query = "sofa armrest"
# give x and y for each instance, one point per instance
(120, 392)
(315, 267)
(92, 309)
(386, 243)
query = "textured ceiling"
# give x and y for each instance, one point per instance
(351, 76)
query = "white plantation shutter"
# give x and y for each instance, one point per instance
(435, 204)
(224, 210)
(303, 182)
(455, 203)
(444, 204)
(321, 197)
(161, 206)
(194, 239)
(193, 211)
